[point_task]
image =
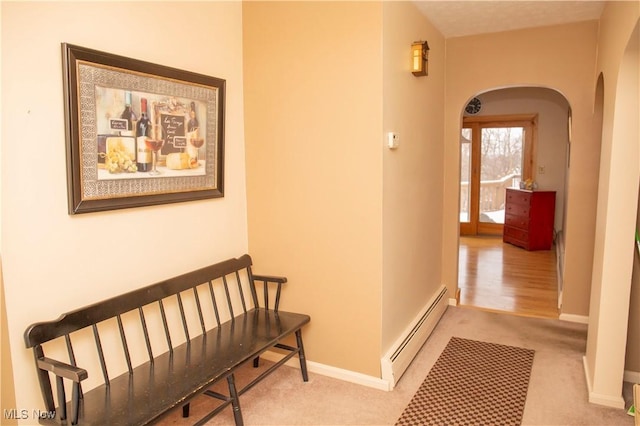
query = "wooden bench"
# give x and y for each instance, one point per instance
(154, 349)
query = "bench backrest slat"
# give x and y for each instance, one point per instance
(125, 346)
(226, 292)
(277, 304)
(103, 363)
(199, 307)
(98, 312)
(167, 334)
(70, 352)
(215, 304)
(266, 294)
(244, 305)
(72, 356)
(145, 330)
(254, 294)
(184, 319)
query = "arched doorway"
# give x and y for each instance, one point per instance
(490, 271)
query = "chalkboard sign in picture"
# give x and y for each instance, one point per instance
(173, 131)
(138, 133)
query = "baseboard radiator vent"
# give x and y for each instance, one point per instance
(396, 361)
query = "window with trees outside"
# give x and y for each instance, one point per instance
(495, 153)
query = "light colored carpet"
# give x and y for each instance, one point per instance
(557, 390)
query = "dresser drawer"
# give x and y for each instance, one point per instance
(517, 209)
(516, 221)
(516, 233)
(518, 197)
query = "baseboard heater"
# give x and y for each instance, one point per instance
(396, 361)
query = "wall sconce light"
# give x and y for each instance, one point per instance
(420, 58)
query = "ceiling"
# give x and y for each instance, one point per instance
(462, 18)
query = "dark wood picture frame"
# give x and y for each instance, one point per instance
(107, 157)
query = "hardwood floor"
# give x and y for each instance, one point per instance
(496, 276)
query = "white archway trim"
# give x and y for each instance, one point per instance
(604, 361)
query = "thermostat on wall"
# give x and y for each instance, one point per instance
(393, 140)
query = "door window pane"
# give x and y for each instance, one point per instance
(501, 168)
(465, 175)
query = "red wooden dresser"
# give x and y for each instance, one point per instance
(528, 221)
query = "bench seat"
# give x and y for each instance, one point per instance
(172, 379)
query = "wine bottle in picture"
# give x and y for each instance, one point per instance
(143, 131)
(193, 123)
(128, 113)
(192, 128)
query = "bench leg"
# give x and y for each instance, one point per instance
(62, 400)
(75, 398)
(256, 362)
(235, 402)
(185, 410)
(303, 360)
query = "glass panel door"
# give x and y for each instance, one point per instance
(495, 153)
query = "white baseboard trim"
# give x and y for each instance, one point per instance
(632, 376)
(455, 301)
(559, 299)
(600, 399)
(581, 319)
(333, 372)
(607, 400)
(587, 374)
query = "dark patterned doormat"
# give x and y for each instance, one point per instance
(472, 383)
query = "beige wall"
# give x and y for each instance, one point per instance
(313, 108)
(412, 175)
(53, 262)
(7, 391)
(618, 63)
(632, 358)
(356, 227)
(560, 58)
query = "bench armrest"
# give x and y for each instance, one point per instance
(61, 369)
(266, 279)
(270, 278)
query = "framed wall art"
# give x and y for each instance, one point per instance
(138, 133)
